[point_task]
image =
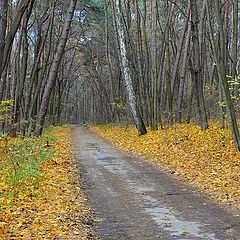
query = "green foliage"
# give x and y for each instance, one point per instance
(48, 134)
(119, 106)
(2, 135)
(21, 160)
(24, 161)
(49, 139)
(221, 104)
(46, 154)
(5, 107)
(234, 83)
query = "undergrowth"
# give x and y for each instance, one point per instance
(20, 160)
(41, 194)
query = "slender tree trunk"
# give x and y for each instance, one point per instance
(108, 58)
(3, 28)
(127, 75)
(219, 51)
(235, 35)
(54, 69)
(23, 5)
(179, 51)
(24, 66)
(154, 64)
(32, 100)
(197, 76)
(183, 76)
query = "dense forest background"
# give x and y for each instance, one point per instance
(154, 62)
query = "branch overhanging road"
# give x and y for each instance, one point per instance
(134, 200)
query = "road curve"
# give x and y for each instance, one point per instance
(135, 201)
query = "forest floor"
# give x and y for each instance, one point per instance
(134, 199)
(164, 195)
(41, 196)
(205, 159)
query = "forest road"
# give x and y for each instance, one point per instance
(134, 200)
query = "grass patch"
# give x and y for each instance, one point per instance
(20, 164)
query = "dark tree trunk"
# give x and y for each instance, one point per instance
(3, 27)
(54, 69)
(196, 65)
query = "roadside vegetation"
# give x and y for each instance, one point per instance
(40, 192)
(206, 159)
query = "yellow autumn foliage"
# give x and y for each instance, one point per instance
(55, 207)
(206, 159)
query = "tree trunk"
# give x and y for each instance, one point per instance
(54, 69)
(126, 72)
(219, 52)
(3, 27)
(9, 41)
(196, 71)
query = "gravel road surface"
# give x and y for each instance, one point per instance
(133, 200)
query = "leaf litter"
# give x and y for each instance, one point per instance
(51, 205)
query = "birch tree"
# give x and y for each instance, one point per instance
(126, 71)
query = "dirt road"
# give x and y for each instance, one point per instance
(135, 201)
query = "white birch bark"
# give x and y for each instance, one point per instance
(126, 70)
